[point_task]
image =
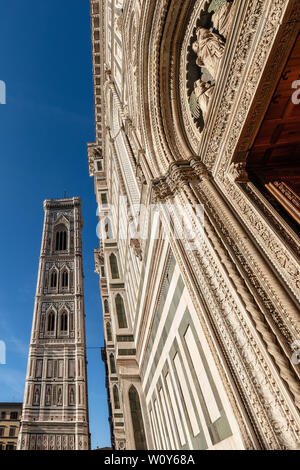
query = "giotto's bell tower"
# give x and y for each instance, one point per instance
(55, 409)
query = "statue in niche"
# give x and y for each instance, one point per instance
(203, 93)
(48, 395)
(222, 19)
(36, 397)
(209, 48)
(72, 396)
(59, 396)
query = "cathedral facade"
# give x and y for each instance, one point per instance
(196, 172)
(55, 408)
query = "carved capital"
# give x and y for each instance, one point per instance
(237, 172)
(200, 169)
(181, 173)
(161, 190)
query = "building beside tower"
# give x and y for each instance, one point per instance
(55, 408)
(196, 106)
(10, 415)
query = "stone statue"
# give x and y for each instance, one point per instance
(72, 396)
(36, 399)
(203, 93)
(48, 395)
(222, 18)
(209, 48)
(59, 396)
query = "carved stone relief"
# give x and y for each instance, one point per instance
(206, 51)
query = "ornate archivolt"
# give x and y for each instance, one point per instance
(130, 31)
(178, 68)
(248, 85)
(201, 55)
(251, 337)
(256, 26)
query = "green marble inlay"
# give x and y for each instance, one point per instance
(215, 5)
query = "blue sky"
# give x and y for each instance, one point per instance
(45, 61)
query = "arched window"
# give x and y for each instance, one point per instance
(114, 266)
(61, 239)
(53, 279)
(106, 306)
(122, 321)
(116, 397)
(137, 419)
(108, 229)
(65, 279)
(112, 364)
(108, 332)
(64, 321)
(51, 321)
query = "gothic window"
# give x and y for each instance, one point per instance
(137, 419)
(51, 321)
(107, 229)
(122, 321)
(112, 364)
(114, 266)
(64, 322)
(65, 279)
(106, 306)
(61, 238)
(108, 332)
(53, 279)
(99, 165)
(116, 397)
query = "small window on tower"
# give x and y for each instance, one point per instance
(53, 282)
(65, 279)
(104, 199)
(61, 240)
(51, 322)
(99, 165)
(64, 322)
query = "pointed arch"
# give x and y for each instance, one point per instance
(137, 419)
(106, 306)
(112, 363)
(116, 397)
(63, 320)
(122, 320)
(53, 279)
(114, 266)
(64, 277)
(51, 321)
(108, 332)
(60, 237)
